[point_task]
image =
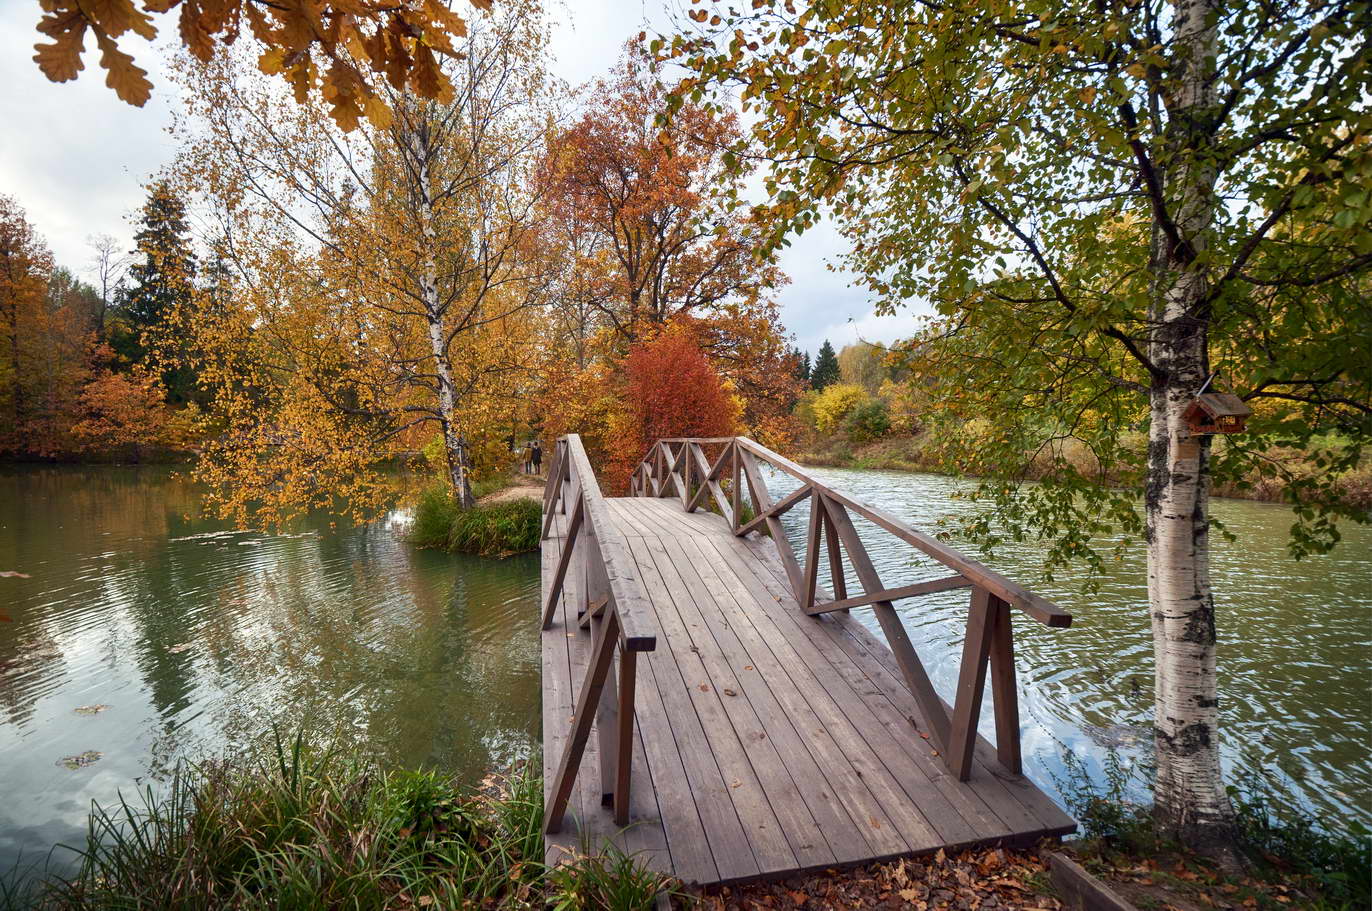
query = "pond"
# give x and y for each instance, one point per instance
(145, 635)
(195, 638)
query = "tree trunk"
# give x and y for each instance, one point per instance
(1191, 802)
(458, 476)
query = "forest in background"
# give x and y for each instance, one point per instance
(514, 260)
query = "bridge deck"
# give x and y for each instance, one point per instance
(768, 741)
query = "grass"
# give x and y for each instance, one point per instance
(298, 826)
(497, 529)
(1289, 856)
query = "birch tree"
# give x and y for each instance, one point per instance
(378, 277)
(1109, 204)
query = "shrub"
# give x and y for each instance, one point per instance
(303, 827)
(511, 527)
(497, 529)
(298, 826)
(833, 404)
(867, 422)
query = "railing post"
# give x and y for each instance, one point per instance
(976, 648)
(1004, 692)
(737, 492)
(586, 703)
(624, 740)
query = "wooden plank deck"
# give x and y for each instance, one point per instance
(768, 741)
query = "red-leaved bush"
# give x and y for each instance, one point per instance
(669, 390)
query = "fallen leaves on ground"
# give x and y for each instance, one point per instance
(966, 880)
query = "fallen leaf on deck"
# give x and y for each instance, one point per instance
(729, 692)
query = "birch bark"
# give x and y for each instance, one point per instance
(1191, 800)
(434, 312)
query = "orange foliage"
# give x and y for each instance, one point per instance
(121, 409)
(669, 389)
(644, 205)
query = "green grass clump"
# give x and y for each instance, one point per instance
(303, 827)
(497, 529)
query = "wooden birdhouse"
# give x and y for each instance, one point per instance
(1216, 412)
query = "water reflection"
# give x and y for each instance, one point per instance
(199, 636)
(1295, 652)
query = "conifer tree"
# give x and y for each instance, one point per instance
(162, 280)
(825, 372)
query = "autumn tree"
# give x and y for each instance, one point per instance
(343, 49)
(826, 370)
(1111, 206)
(670, 389)
(864, 364)
(648, 196)
(380, 279)
(108, 264)
(25, 264)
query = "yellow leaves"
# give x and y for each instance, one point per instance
(1087, 94)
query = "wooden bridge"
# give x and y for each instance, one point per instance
(745, 724)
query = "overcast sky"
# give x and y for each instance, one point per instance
(76, 157)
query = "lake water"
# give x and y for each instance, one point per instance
(198, 638)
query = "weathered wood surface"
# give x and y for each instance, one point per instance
(766, 740)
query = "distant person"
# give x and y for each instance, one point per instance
(538, 457)
(528, 457)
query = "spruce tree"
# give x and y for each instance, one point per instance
(162, 277)
(825, 372)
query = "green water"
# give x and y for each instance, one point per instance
(199, 637)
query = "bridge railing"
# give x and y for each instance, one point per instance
(611, 602)
(723, 469)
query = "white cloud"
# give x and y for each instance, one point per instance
(73, 154)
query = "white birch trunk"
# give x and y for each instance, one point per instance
(458, 475)
(1191, 801)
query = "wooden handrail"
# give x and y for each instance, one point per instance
(679, 467)
(611, 601)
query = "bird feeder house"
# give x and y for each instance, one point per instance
(1216, 412)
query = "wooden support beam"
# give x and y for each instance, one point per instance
(976, 648)
(763, 501)
(1003, 689)
(812, 553)
(624, 740)
(835, 560)
(586, 701)
(563, 561)
(780, 508)
(911, 668)
(891, 594)
(554, 493)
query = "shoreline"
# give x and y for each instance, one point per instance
(902, 454)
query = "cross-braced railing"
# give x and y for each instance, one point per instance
(681, 468)
(610, 601)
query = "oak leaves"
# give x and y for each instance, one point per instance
(345, 48)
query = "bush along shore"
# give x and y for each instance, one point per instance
(300, 826)
(494, 527)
